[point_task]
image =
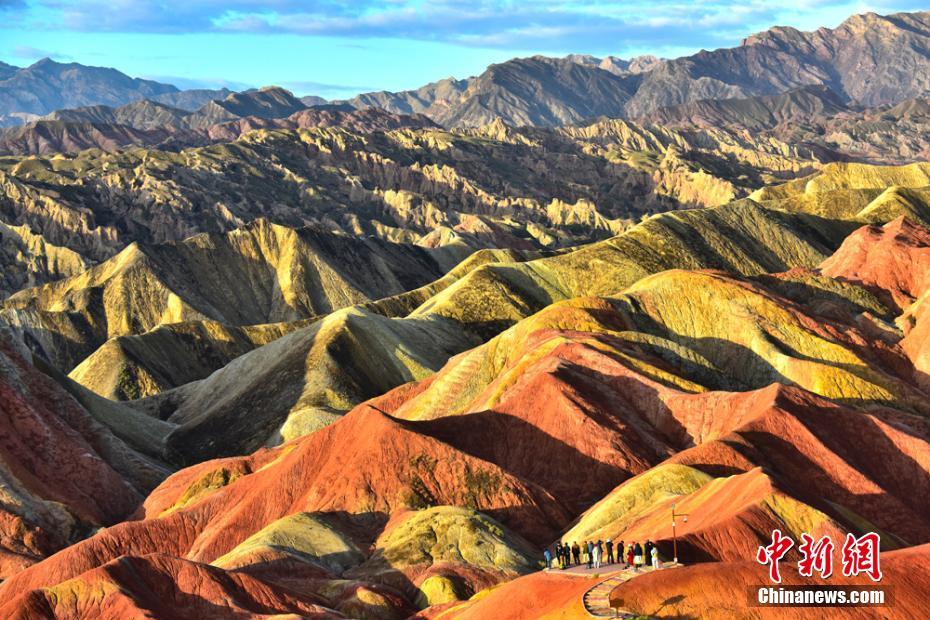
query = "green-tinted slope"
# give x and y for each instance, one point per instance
(262, 273)
(328, 367)
(742, 237)
(133, 366)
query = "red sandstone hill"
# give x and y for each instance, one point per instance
(874, 465)
(165, 587)
(894, 258)
(63, 473)
(359, 470)
(795, 462)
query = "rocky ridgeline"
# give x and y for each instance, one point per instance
(493, 187)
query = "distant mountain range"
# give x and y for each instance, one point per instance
(152, 124)
(47, 86)
(812, 116)
(268, 102)
(868, 60)
(70, 91)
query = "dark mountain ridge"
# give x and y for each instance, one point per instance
(149, 124)
(47, 85)
(868, 60)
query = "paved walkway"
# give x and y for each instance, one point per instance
(597, 598)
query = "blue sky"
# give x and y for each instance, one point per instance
(336, 49)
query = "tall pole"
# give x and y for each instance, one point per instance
(674, 531)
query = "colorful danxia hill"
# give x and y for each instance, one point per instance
(270, 357)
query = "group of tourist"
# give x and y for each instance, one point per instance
(600, 553)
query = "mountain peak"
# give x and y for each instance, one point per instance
(272, 88)
(45, 62)
(775, 33)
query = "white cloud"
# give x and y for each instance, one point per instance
(544, 25)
